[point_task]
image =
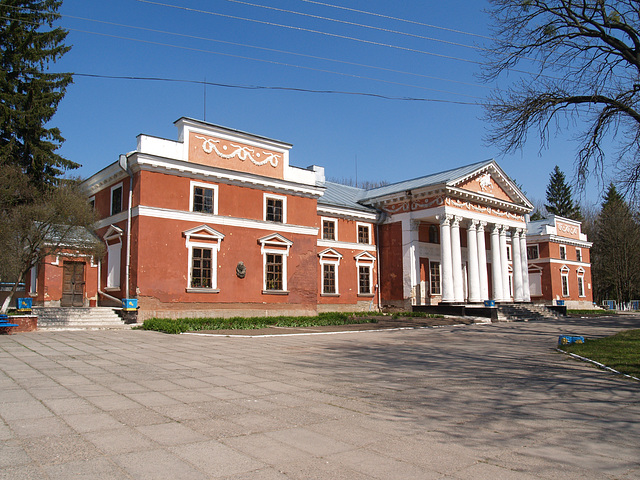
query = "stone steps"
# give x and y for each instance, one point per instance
(520, 312)
(79, 318)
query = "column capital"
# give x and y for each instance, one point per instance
(456, 220)
(445, 219)
(496, 227)
(473, 224)
(516, 233)
(481, 225)
(415, 224)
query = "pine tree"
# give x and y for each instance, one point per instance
(29, 94)
(559, 197)
(615, 256)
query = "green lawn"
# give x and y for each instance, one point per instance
(241, 323)
(620, 352)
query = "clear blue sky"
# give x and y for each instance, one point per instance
(390, 139)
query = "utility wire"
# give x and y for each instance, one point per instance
(388, 17)
(345, 22)
(263, 87)
(319, 32)
(314, 57)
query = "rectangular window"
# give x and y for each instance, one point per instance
(532, 252)
(328, 230)
(563, 252)
(203, 200)
(273, 272)
(328, 278)
(274, 210)
(508, 252)
(113, 265)
(565, 284)
(201, 268)
(578, 256)
(116, 199)
(434, 270)
(92, 203)
(364, 280)
(364, 234)
(580, 286)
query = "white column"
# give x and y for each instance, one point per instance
(525, 267)
(445, 258)
(414, 253)
(496, 264)
(472, 251)
(456, 260)
(504, 264)
(482, 262)
(517, 266)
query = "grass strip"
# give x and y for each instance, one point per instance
(416, 315)
(620, 351)
(591, 312)
(181, 325)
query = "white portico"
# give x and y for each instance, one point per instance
(463, 236)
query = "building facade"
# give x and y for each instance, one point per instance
(559, 263)
(218, 223)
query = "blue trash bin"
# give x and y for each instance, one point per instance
(24, 304)
(129, 304)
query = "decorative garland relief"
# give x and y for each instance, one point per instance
(241, 152)
(477, 208)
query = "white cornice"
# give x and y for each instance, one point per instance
(557, 239)
(207, 219)
(559, 262)
(346, 245)
(344, 212)
(107, 176)
(194, 170)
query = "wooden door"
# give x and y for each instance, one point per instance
(73, 284)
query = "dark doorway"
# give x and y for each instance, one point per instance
(73, 284)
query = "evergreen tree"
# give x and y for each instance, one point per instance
(559, 197)
(615, 255)
(29, 94)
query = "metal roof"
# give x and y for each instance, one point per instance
(439, 178)
(338, 195)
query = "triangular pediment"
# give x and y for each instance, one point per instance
(365, 257)
(113, 232)
(330, 253)
(203, 232)
(275, 239)
(489, 180)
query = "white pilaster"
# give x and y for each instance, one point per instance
(456, 260)
(525, 267)
(482, 262)
(504, 264)
(517, 266)
(474, 272)
(414, 253)
(496, 264)
(446, 259)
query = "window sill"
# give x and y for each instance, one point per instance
(203, 290)
(275, 292)
(329, 294)
(112, 289)
(370, 295)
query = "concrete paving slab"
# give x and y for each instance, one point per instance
(479, 401)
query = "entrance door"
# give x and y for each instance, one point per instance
(73, 284)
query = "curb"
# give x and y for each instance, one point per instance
(598, 364)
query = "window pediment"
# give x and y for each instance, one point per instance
(365, 257)
(203, 232)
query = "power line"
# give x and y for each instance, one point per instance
(345, 22)
(314, 57)
(319, 32)
(263, 87)
(388, 17)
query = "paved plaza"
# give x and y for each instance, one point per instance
(469, 402)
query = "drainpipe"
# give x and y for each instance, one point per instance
(124, 165)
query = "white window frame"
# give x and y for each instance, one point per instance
(563, 248)
(564, 274)
(535, 281)
(278, 245)
(203, 236)
(329, 257)
(193, 184)
(581, 283)
(537, 247)
(335, 228)
(509, 253)
(265, 197)
(362, 224)
(115, 187)
(365, 259)
(114, 257)
(578, 254)
(439, 282)
(33, 280)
